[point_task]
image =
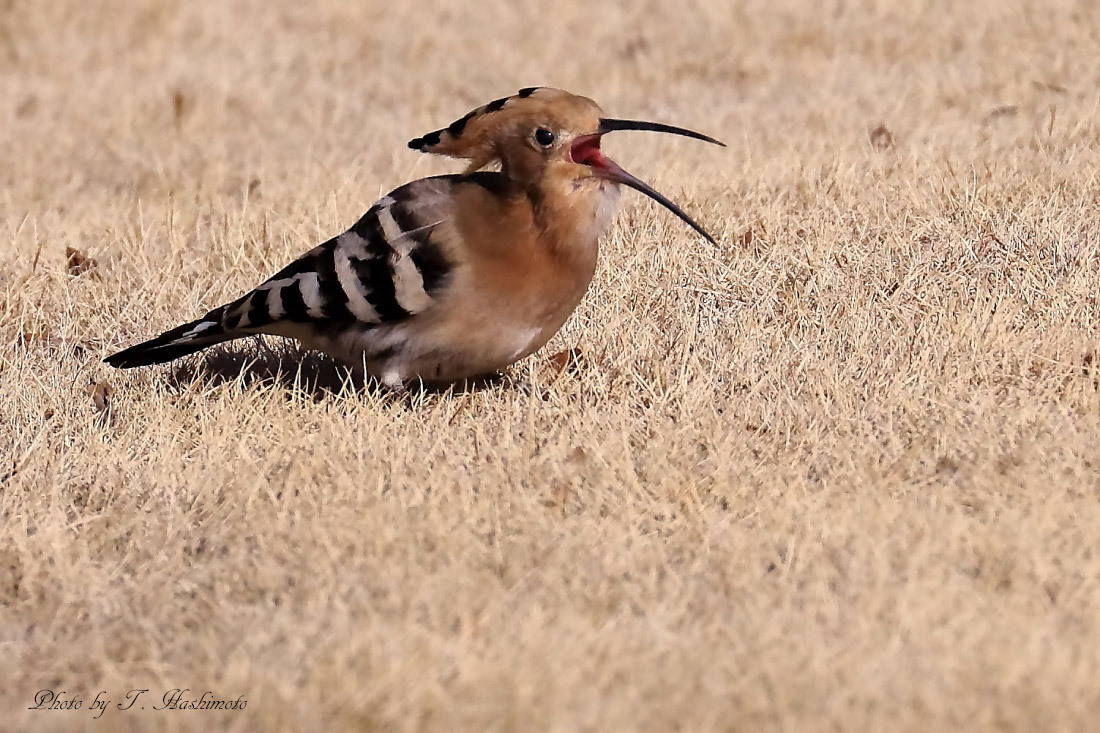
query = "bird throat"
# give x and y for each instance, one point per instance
(573, 217)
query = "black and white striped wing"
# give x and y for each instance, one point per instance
(386, 268)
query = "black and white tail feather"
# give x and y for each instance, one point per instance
(180, 341)
(383, 270)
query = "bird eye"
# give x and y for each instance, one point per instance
(544, 137)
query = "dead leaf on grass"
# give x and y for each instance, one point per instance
(78, 262)
(881, 138)
(571, 360)
(101, 393)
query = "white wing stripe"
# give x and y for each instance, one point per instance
(311, 294)
(408, 286)
(274, 299)
(398, 240)
(349, 282)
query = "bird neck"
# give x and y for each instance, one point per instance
(573, 213)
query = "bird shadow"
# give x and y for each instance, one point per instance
(287, 366)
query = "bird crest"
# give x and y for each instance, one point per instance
(475, 135)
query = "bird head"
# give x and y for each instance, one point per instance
(542, 132)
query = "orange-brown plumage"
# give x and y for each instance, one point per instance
(450, 277)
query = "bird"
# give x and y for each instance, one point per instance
(450, 277)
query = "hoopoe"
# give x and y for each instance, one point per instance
(453, 276)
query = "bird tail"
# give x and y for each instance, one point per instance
(180, 341)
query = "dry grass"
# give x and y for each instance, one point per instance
(841, 472)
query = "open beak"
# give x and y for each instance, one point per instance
(586, 151)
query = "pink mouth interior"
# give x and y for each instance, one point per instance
(586, 151)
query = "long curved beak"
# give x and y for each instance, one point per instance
(586, 151)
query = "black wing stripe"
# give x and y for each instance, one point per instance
(374, 274)
(334, 301)
(258, 312)
(294, 305)
(435, 270)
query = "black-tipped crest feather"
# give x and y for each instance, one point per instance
(448, 136)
